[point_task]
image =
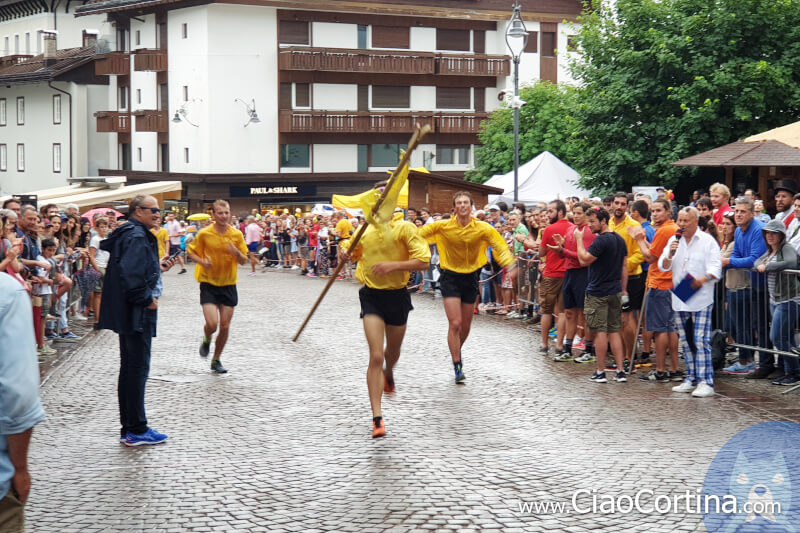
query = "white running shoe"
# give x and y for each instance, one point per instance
(703, 390)
(683, 387)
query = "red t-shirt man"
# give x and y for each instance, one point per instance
(719, 213)
(555, 264)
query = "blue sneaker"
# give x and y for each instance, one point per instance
(51, 336)
(739, 368)
(460, 377)
(149, 437)
(68, 337)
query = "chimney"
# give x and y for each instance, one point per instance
(90, 38)
(49, 38)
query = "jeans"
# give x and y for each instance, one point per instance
(134, 352)
(748, 313)
(63, 323)
(487, 289)
(784, 320)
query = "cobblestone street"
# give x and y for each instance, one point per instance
(282, 442)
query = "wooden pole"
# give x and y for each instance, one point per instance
(419, 133)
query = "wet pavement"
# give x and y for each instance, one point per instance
(282, 442)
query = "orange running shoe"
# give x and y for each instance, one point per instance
(388, 385)
(378, 430)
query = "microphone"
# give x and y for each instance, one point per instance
(678, 235)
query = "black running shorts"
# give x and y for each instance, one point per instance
(457, 285)
(392, 305)
(225, 295)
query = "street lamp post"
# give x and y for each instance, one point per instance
(516, 40)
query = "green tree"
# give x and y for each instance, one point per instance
(546, 123)
(666, 79)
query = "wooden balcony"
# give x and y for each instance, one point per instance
(377, 121)
(391, 62)
(151, 120)
(113, 122)
(112, 64)
(150, 59)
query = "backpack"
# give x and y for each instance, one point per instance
(719, 341)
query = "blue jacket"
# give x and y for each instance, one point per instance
(747, 247)
(132, 273)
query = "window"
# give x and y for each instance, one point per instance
(28, 43)
(186, 155)
(293, 32)
(390, 37)
(458, 40)
(184, 30)
(6, 51)
(532, 46)
(386, 155)
(452, 155)
(125, 155)
(362, 37)
(391, 97)
(56, 157)
(138, 37)
(302, 96)
(363, 160)
(161, 35)
(479, 99)
(295, 156)
(453, 98)
(139, 154)
(16, 44)
(56, 109)
(300, 99)
(138, 96)
(185, 93)
(21, 158)
(20, 110)
(3, 157)
(3, 112)
(285, 96)
(123, 97)
(549, 43)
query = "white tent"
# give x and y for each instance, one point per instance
(542, 179)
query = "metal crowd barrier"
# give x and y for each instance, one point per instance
(528, 279)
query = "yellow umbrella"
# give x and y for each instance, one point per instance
(199, 216)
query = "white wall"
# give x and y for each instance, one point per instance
(69, 29)
(334, 35)
(335, 157)
(423, 98)
(423, 39)
(564, 56)
(101, 148)
(335, 96)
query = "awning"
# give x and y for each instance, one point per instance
(92, 196)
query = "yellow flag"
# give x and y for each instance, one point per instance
(386, 210)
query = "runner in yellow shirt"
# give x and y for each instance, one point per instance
(462, 242)
(217, 249)
(384, 262)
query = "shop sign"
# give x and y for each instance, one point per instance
(262, 191)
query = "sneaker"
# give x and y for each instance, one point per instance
(621, 377)
(683, 387)
(205, 347)
(585, 357)
(563, 357)
(149, 437)
(68, 337)
(760, 373)
(579, 345)
(46, 350)
(251, 273)
(739, 368)
(295, 267)
(183, 271)
(79, 317)
(678, 375)
(216, 366)
(512, 314)
(788, 381)
(599, 377)
(703, 390)
(388, 385)
(51, 336)
(655, 376)
(311, 275)
(552, 333)
(379, 429)
(460, 377)
(611, 367)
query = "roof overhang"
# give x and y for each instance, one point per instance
(766, 153)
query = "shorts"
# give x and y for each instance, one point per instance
(225, 295)
(304, 251)
(658, 314)
(603, 313)
(507, 283)
(550, 294)
(46, 299)
(99, 286)
(635, 293)
(574, 289)
(286, 249)
(458, 285)
(12, 512)
(392, 305)
(253, 247)
(174, 248)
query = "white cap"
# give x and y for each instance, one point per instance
(494, 207)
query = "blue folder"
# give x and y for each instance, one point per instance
(684, 290)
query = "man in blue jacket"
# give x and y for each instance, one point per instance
(20, 408)
(748, 307)
(131, 288)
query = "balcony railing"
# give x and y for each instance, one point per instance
(112, 64)
(151, 120)
(113, 122)
(152, 59)
(392, 62)
(377, 121)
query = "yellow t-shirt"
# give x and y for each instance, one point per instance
(211, 244)
(402, 243)
(162, 235)
(462, 249)
(635, 257)
(344, 229)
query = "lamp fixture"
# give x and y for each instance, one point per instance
(181, 114)
(251, 111)
(516, 34)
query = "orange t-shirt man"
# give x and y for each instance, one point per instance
(656, 279)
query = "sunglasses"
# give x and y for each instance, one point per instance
(153, 210)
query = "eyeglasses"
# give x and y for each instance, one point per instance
(153, 210)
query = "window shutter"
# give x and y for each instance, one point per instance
(390, 37)
(286, 96)
(293, 32)
(391, 96)
(457, 40)
(453, 97)
(548, 43)
(479, 41)
(301, 95)
(532, 46)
